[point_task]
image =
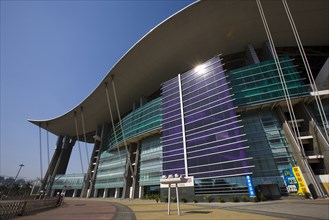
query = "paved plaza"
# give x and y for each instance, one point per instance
(85, 209)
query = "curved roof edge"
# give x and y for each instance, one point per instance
(38, 121)
(193, 34)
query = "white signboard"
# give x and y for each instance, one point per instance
(189, 183)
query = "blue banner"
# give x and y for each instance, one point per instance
(250, 185)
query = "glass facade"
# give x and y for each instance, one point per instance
(172, 135)
(150, 161)
(222, 186)
(111, 169)
(69, 181)
(260, 83)
(268, 146)
(203, 134)
(215, 147)
(144, 119)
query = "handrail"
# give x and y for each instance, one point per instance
(13, 208)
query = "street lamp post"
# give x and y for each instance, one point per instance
(20, 167)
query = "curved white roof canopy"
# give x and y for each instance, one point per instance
(186, 39)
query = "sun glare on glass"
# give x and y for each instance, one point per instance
(200, 69)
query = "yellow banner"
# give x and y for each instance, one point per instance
(302, 187)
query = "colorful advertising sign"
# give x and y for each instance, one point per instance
(294, 180)
(250, 185)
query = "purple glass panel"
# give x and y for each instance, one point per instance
(210, 107)
(172, 129)
(179, 151)
(211, 125)
(239, 171)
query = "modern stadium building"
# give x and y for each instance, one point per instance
(233, 95)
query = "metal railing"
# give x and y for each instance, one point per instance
(12, 208)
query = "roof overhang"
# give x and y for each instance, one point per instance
(193, 35)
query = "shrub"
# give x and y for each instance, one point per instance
(183, 200)
(235, 199)
(208, 198)
(245, 199)
(307, 195)
(261, 197)
(255, 199)
(165, 198)
(220, 199)
(194, 200)
(173, 199)
(157, 198)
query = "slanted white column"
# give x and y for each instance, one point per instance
(116, 194)
(105, 193)
(74, 193)
(141, 192)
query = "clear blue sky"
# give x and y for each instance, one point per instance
(53, 54)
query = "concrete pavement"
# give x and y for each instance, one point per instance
(116, 209)
(289, 209)
(81, 209)
(150, 210)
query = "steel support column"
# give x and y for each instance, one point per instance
(135, 183)
(53, 162)
(61, 162)
(89, 180)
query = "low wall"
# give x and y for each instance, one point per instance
(13, 208)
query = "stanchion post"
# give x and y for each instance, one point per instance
(177, 199)
(169, 199)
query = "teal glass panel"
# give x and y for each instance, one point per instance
(111, 167)
(150, 161)
(68, 181)
(145, 119)
(267, 144)
(260, 83)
